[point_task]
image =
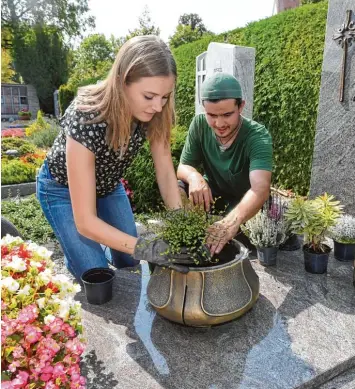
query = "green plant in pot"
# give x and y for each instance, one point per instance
(24, 114)
(313, 219)
(185, 230)
(343, 234)
(266, 232)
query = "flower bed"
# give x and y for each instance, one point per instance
(41, 323)
(13, 133)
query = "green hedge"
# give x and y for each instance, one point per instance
(289, 54)
(141, 173)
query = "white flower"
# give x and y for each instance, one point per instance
(61, 279)
(8, 239)
(44, 253)
(17, 263)
(344, 230)
(25, 291)
(10, 284)
(77, 288)
(32, 247)
(45, 276)
(40, 302)
(48, 319)
(35, 264)
(64, 307)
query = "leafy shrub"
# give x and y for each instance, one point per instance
(141, 177)
(27, 215)
(65, 96)
(15, 171)
(23, 146)
(38, 125)
(313, 219)
(27, 148)
(141, 173)
(45, 138)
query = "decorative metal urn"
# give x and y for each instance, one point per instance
(206, 296)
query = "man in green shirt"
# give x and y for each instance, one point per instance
(236, 156)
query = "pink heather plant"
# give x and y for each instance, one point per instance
(41, 322)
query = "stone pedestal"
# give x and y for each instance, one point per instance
(236, 60)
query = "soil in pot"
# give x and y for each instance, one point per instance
(227, 254)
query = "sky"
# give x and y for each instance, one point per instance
(217, 15)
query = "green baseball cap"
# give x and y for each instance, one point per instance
(221, 86)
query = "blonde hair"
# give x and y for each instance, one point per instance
(141, 56)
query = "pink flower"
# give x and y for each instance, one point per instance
(13, 366)
(45, 377)
(21, 380)
(69, 330)
(75, 346)
(18, 352)
(6, 385)
(56, 325)
(58, 370)
(28, 314)
(51, 385)
(32, 334)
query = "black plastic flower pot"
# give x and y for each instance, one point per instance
(98, 285)
(316, 263)
(291, 244)
(267, 255)
(344, 251)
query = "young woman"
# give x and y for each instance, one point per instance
(79, 186)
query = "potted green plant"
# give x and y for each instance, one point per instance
(266, 231)
(185, 232)
(343, 235)
(313, 219)
(215, 289)
(24, 114)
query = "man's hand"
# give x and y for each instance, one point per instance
(199, 191)
(156, 251)
(221, 232)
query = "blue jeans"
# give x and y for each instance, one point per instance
(82, 254)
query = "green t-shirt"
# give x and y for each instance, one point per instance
(227, 172)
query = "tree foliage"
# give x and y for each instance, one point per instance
(40, 58)
(7, 70)
(194, 21)
(69, 16)
(189, 29)
(93, 58)
(146, 26)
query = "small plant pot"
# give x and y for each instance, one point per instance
(98, 285)
(344, 251)
(24, 117)
(267, 255)
(291, 244)
(316, 263)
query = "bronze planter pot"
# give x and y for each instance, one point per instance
(206, 296)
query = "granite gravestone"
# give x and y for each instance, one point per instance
(333, 169)
(224, 57)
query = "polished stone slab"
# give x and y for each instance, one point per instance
(334, 149)
(300, 334)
